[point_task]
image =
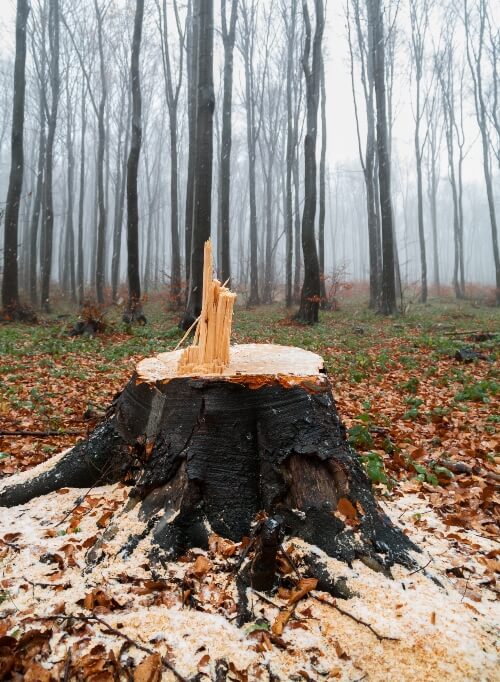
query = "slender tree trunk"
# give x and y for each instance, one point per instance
(134, 311)
(70, 233)
(175, 269)
(37, 204)
(290, 153)
(48, 209)
(322, 190)
(297, 246)
(101, 148)
(388, 289)
(121, 180)
(192, 73)
(10, 285)
(311, 290)
(228, 37)
(204, 158)
(81, 200)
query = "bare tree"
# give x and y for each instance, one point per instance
(368, 156)
(387, 303)
(419, 19)
(205, 103)
(48, 208)
(228, 40)
(252, 95)
(10, 285)
(134, 307)
(311, 64)
(475, 36)
(173, 83)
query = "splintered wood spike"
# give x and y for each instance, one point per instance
(209, 353)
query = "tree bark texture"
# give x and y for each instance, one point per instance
(48, 207)
(10, 284)
(228, 38)
(204, 157)
(134, 311)
(223, 450)
(101, 143)
(388, 288)
(311, 288)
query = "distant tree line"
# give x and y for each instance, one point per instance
(140, 130)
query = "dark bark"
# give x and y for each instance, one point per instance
(48, 208)
(223, 453)
(387, 304)
(228, 38)
(322, 191)
(311, 288)
(291, 142)
(10, 285)
(101, 144)
(70, 233)
(134, 307)
(81, 199)
(192, 86)
(205, 104)
(248, 16)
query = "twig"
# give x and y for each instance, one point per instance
(188, 332)
(113, 631)
(290, 561)
(262, 596)
(420, 568)
(356, 620)
(67, 667)
(41, 434)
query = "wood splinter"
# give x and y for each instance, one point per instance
(209, 353)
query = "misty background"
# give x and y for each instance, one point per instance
(346, 247)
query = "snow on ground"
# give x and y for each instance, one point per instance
(188, 614)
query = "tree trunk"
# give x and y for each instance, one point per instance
(81, 200)
(48, 208)
(263, 437)
(134, 306)
(37, 204)
(101, 139)
(388, 290)
(311, 289)
(121, 181)
(228, 38)
(322, 191)
(10, 285)
(290, 151)
(70, 233)
(192, 78)
(204, 158)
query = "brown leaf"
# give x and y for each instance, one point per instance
(149, 669)
(36, 673)
(200, 567)
(304, 587)
(347, 511)
(281, 620)
(103, 521)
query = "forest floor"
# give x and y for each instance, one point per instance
(426, 425)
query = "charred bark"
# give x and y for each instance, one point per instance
(224, 452)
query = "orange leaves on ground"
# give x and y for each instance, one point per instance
(149, 669)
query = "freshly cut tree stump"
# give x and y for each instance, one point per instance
(211, 453)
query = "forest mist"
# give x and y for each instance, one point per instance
(439, 85)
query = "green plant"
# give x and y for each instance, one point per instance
(374, 467)
(360, 436)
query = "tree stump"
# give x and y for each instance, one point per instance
(211, 453)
